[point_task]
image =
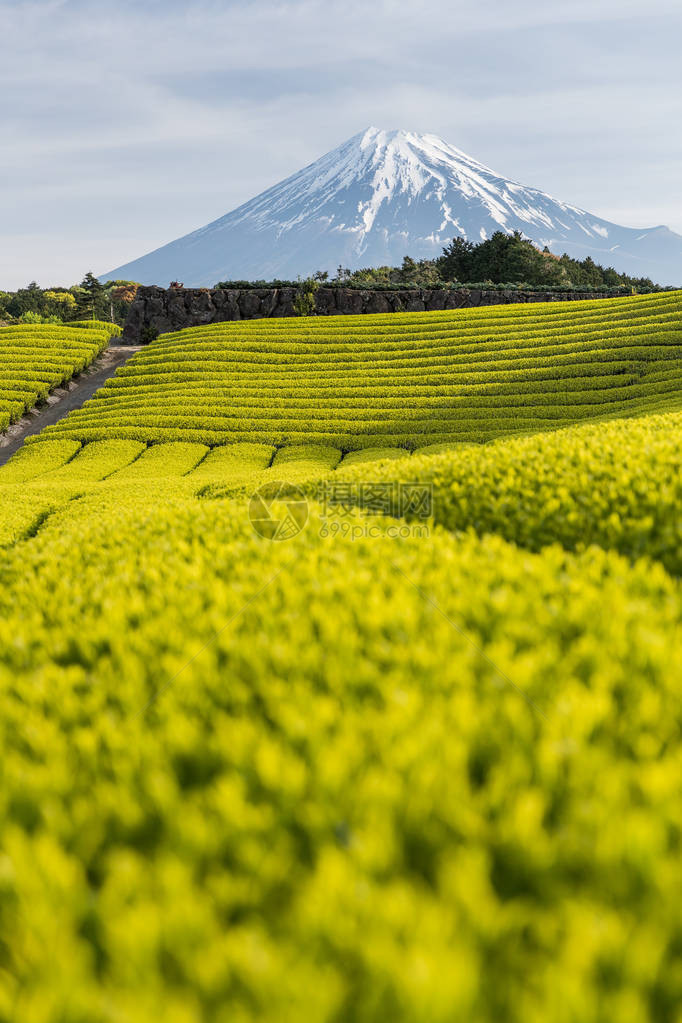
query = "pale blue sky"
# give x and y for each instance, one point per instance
(126, 125)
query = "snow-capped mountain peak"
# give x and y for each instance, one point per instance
(382, 195)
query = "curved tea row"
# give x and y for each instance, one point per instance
(394, 380)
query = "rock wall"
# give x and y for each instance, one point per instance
(158, 311)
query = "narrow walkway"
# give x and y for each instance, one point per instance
(65, 399)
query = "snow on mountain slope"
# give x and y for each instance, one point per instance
(382, 195)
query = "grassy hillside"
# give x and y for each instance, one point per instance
(406, 769)
(34, 359)
(398, 380)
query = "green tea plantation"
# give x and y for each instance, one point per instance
(406, 760)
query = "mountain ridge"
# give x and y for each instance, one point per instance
(381, 195)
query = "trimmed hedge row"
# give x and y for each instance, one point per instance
(393, 381)
(34, 359)
(616, 484)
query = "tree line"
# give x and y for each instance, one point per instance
(500, 259)
(89, 300)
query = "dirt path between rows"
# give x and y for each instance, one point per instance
(65, 399)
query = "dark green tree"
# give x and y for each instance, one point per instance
(409, 271)
(92, 298)
(26, 300)
(457, 260)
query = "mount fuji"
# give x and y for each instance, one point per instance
(383, 195)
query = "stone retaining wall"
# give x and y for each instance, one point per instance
(158, 311)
